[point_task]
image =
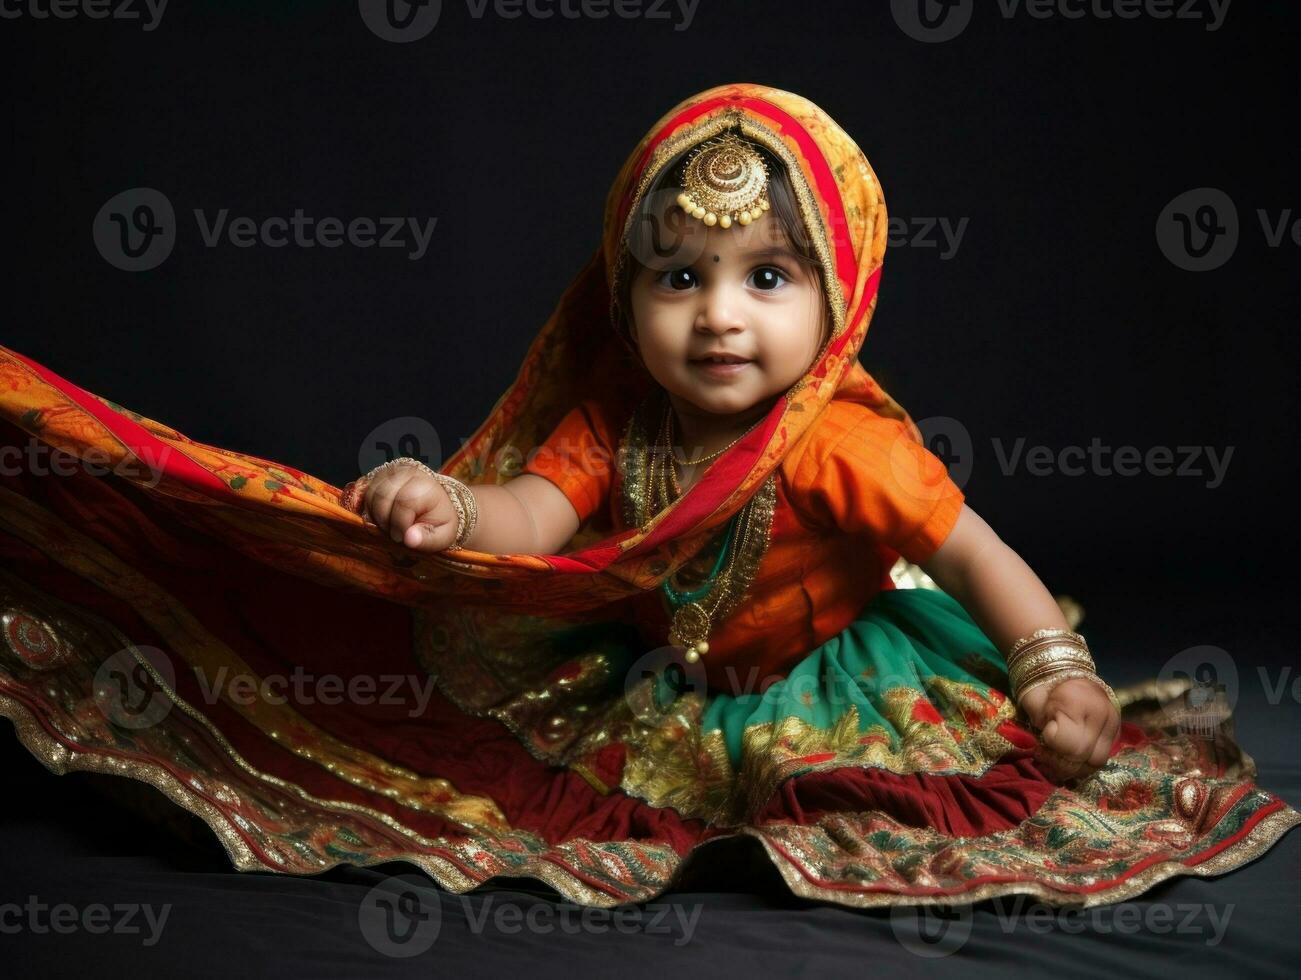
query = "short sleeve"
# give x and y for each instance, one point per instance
(578, 457)
(864, 473)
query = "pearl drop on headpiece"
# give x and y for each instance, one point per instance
(725, 180)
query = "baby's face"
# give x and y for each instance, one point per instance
(746, 294)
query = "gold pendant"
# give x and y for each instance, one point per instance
(690, 629)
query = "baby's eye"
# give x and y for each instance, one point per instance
(769, 278)
(678, 279)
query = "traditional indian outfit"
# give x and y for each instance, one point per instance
(848, 715)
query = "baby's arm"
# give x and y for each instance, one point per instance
(996, 587)
(1007, 601)
(529, 515)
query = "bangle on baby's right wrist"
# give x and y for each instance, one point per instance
(461, 496)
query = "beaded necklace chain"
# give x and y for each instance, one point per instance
(668, 423)
(695, 609)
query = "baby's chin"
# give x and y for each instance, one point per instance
(736, 400)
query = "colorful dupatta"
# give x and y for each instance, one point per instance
(140, 580)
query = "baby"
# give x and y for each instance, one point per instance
(725, 326)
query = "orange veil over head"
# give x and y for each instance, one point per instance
(291, 520)
(579, 350)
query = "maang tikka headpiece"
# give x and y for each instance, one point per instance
(725, 180)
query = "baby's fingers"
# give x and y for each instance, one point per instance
(428, 536)
(1068, 741)
(1069, 737)
(1102, 747)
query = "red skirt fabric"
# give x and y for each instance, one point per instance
(127, 622)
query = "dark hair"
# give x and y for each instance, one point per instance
(659, 201)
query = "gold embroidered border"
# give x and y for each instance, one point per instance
(445, 873)
(1264, 835)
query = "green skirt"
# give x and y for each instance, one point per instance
(919, 640)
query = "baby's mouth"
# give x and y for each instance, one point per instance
(721, 360)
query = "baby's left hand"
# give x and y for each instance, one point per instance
(1078, 725)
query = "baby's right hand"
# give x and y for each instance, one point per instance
(411, 507)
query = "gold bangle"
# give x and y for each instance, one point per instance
(1033, 647)
(1047, 660)
(1031, 650)
(1056, 633)
(393, 464)
(1053, 656)
(1038, 652)
(1022, 680)
(1066, 675)
(467, 507)
(461, 496)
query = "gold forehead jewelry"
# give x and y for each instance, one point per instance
(725, 180)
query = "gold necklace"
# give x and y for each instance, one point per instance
(744, 542)
(668, 416)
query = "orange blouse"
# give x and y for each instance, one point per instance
(853, 494)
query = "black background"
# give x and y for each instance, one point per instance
(1058, 320)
